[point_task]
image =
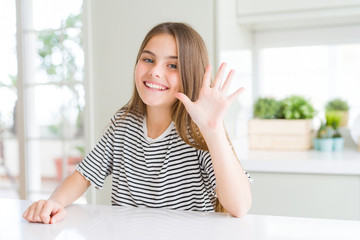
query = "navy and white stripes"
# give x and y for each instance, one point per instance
(158, 173)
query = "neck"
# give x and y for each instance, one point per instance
(157, 121)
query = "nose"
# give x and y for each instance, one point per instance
(156, 71)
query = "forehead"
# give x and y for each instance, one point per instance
(162, 44)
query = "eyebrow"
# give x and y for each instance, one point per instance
(153, 54)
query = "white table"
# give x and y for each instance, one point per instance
(107, 222)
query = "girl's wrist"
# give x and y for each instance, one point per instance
(213, 134)
(52, 199)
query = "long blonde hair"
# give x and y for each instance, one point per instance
(192, 61)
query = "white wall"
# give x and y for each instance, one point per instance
(229, 34)
(117, 28)
(234, 46)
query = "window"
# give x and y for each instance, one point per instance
(320, 72)
(54, 93)
(319, 63)
(8, 97)
(52, 86)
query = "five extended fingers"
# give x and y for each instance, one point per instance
(219, 78)
(216, 84)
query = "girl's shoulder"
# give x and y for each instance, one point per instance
(124, 116)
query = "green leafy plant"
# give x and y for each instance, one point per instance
(330, 128)
(333, 119)
(297, 107)
(267, 108)
(337, 104)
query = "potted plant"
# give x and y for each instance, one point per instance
(328, 137)
(297, 107)
(333, 119)
(281, 125)
(267, 108)
(341, 107)
(323, 141)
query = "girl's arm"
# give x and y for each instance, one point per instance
(233, 187)
(208, 112)
(53, 209)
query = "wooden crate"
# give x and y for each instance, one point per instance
(345, 119)
(280, 134)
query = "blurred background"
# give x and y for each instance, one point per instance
(66, 67)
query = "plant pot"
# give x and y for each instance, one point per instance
(316, 143)
(338, 144)
(325, 144)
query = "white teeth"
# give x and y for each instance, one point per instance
(154, 86)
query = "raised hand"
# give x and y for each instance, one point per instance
(209, 110)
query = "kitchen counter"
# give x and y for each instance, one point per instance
(346, 162)
(107, 222)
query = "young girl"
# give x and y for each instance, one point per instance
(167, 147)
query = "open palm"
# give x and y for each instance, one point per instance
(209, 110)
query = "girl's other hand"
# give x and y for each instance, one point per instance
(45, 211)
(209, 110)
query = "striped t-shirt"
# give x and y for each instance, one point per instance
(158, 173)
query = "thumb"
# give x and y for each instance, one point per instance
(58, 216)
(184, 99)
(233, 96)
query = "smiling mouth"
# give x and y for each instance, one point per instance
(155, 86)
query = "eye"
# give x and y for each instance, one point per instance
(172, 66)
(148, 60)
